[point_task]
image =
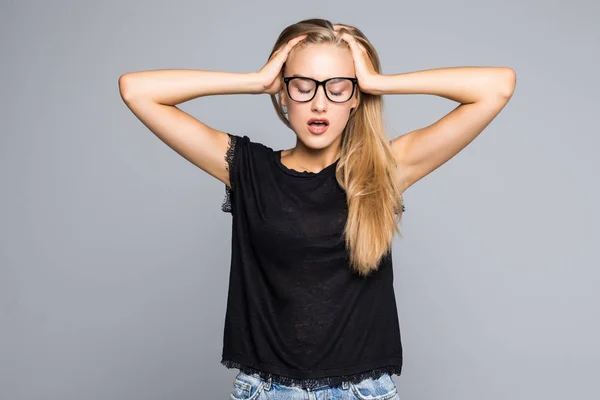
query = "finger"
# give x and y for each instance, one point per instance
(354, 44)
(296, 40)
(349, 39)
(275, 53)
(360, 46)
(338, 27)
(290, 45)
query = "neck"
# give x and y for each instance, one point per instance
(313, 160)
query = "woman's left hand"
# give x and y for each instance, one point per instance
(365, 72)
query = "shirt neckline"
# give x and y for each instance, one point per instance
(304, 174)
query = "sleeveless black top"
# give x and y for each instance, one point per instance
(296, 313)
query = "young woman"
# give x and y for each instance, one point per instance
(311, 310)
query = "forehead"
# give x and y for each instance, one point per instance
(320, 61)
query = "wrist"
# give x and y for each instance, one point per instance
(254, 83)
(376, 85)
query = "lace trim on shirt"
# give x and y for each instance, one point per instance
(226, 205)
(306, 383)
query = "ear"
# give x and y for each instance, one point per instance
(354, 101)
(282, 91)
(282, 97)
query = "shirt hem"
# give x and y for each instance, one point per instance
(322, 377)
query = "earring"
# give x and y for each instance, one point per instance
(284, 109)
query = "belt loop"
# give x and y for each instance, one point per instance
(268, 383)
(345, 385)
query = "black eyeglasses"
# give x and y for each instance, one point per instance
(303, 89)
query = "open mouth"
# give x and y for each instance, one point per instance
(318, 121)
(318, 125)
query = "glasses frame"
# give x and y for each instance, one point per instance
(287, 80)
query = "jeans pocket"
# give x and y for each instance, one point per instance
(246, 387)
(382, 388)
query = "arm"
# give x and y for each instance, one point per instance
(482, 91)
(153, 95)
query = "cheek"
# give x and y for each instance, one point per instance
(340, 116)
(299, 113)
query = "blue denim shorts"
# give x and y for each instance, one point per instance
(253, 387)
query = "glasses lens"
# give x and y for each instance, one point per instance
(301, 89)
(338, 90)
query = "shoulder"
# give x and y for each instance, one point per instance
(241, 140)
(245, 152)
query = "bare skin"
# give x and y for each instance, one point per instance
(153, 97)
(481, 91)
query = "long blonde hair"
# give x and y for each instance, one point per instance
(367, 169)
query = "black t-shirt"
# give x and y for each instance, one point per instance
(296, 313)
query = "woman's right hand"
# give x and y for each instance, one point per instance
(269, 75)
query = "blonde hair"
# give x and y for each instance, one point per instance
(367, 169)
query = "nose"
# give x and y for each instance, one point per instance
(320, 101)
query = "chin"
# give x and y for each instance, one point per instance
(317, 141)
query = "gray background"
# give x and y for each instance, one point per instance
(114, 253)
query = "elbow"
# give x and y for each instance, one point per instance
(509, 82)
(126, 86)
